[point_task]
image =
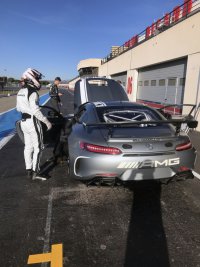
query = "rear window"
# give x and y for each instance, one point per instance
(105, 90)
(126, 114)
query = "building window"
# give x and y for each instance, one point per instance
(162, 82)
(146, 83)
(153, 82)
(140, 83)
(182, 82)
(172, 82)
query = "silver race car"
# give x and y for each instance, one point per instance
(128, 141)
(111, 139)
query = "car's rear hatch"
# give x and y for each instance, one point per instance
(98, 89)
(140, 141)
(125, 128)
(105, 90)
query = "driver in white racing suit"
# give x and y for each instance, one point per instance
(28, 105)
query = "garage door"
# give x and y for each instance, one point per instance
(162, 84)
(120, 77)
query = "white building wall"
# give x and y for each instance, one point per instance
(192, 94)
(181, 40)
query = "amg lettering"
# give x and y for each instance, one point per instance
(158, 163)
(148, 164)
(175, 161)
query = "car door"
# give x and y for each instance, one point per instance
(58, 124)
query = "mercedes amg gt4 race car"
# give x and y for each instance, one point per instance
(128, 141)
(118, 140)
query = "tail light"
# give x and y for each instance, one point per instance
(100, 149)
(184, 146)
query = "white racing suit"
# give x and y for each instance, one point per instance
(28, 105)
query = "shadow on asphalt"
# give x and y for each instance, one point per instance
(146, 241)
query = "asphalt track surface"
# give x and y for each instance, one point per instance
(145, 224)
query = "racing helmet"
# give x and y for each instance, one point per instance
(31, 77)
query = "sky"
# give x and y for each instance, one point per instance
(52, 36)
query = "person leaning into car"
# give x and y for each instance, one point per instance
(55, 95)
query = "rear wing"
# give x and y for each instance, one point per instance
(192, 114)
(190, 122)
(167, 106)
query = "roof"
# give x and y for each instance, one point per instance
(90, 62)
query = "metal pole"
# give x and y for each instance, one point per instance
(197, 94)
(175, 100)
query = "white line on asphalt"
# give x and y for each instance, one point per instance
(46, 101)
(6, 111)
(54, 191)
(6, 139)
(48, 226)
(196, 174)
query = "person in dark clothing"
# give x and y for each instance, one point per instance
(60, 150)
(55, 95)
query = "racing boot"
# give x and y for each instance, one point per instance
(38, 176)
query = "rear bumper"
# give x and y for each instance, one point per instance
(91, 165)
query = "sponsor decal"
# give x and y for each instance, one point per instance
(148, 163)
(130, 85)
(21, 94)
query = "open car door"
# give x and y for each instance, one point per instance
(58, 123)
(61, 126)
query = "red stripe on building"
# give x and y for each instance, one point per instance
(172, 110)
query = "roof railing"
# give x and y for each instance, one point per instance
(178, 14)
